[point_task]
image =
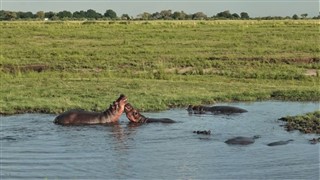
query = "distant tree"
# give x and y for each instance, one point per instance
(166, 14)
(125, 17)
(244, 15)
(110, 14)
(79, 14)
(55, 18)
(49, 14)
(40, 15)
(25, 15)
(189, 16)
(64, 14)
(10, 15)
(304, 15)
(295, 16)
(224, 14)
(92, 14)
(179, 15)
(199, 16)
(2, 12)
(156, 15)
(144, 16)
(235, 16)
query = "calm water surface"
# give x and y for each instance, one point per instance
(32, 147)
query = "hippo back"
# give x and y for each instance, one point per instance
(160, 120)
(78, 117)
(240, 140)
(227, 109)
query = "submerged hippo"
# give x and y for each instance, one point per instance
(277, 143)
(203, 132)
(240, 140)
(214, 109)
(314, 140)
(134, 116)
(80, 117)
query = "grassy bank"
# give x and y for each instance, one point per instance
(307, 123)
(54, 66)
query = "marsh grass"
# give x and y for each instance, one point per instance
(158, 64)
(306, 123)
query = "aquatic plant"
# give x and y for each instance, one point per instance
(307, 123)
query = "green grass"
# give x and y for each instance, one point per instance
(158, 64)
(306, 123)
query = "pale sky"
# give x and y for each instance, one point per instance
(255, 8)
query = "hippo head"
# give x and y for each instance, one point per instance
(195, 109)
(117, 107)
(190, 109)
(132, 114)
(120, 103)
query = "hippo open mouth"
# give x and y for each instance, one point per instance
(121, 102)
(117, 107)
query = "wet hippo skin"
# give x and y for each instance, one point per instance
(136, 117)
(80, 117)
(214, 109)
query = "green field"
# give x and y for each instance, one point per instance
(54, 66)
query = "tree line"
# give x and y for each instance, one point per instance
(112, 15)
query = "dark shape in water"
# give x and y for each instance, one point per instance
(134, 116)
(203, 132)
(81, 117)
(277, 143)
(214, 109)
(240, 140)
(314, 140)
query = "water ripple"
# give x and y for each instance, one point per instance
(32, 147)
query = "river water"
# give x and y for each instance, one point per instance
(32, 147)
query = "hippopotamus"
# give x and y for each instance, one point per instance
(136, 117)
(203, 132)
(81, 117)
(277, 143)
(214, 109)
(314, 140)
(240, 140)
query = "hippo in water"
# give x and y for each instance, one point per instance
(240, 140)
(214, 109)
(314, 140)
(277, 143)
(81, 117)
(203, 132)
(134, 116)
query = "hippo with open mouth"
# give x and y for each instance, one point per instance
(134, 116)
(214, 109)
(81, 117)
